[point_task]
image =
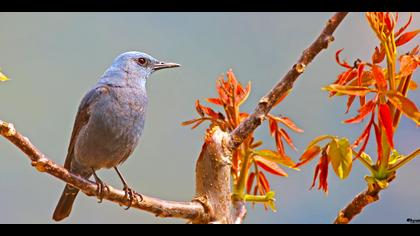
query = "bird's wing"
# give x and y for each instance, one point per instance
(82, 118)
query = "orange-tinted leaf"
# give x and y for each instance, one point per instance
(360, 69)
(363, 112)
(404, 38)
(378, 142)
(412, 85)
(386, 121)
(389, 22)
(308, 155)
(379, 77)
(249, 182)
(405, 26)
(279, 143)
(269, 166)
(349, 90)
(264, 182)
(337, 58)
(272, 125)
(378, 56)
(275, 157)
(243, 116)
(350, 101)
(364, 136)
(216, 101)
(405, 105)
(321, 169)
(199, 108)
(408, 65)
(286, 137)
(288, 122)
(244, 93)
(197, 124)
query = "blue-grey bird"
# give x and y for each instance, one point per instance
(109, 122)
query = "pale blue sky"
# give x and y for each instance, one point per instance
(54, 58)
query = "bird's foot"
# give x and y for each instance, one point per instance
(101, 187)
(130, 195)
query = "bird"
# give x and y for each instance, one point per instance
(109, 122)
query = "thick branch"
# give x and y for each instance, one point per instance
(187, 210)
(356, 206)
(267, 102)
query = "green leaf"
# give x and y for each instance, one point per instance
(3, 77)
(395, 156)
(366, 157)
(341, 157)
(319, 139)
(275, 157)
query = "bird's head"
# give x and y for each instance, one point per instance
(133, 68)
(139, 63)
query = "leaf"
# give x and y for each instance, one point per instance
(350, 101)
(269, 166)
(318, 139)
(363, 112)
(349, 90)
(340, 154)
(272, 124)
(287, 138)
(386, 121)
(367, 158)
(288, 122)
(189, 122)
(405, 26)
(405, 105)
(264, 182)
(379, 77)
(360, 69)
(199, 108)
(249, 182)
(216, 101)
(404, 38)
(275, 157)
(394, 157)
(337, 59)
(244, 94)
(3, 77)
(378, 56)
(408, 65)
(279, 143)
(321, 169)
(256, 144)
(308, 155)
(378, 142)
(412, 85)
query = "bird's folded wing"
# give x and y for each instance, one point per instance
(82, 118)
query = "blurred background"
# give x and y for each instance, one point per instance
(54, 58)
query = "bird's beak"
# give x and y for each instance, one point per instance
(164, 65)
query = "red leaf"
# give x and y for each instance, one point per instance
(199, 108)
(364, 136)
(389, 22)
(321, 170)
(269, 166)
(249, 182)
(360, 69)
(288, 122)
(243, 94)
(404, 27)
(216, 101)
(379, 77)
(363, 112)
(378, 56)
(272, 125)
(279, 143)
(386, 121)
(337, 58)
(378, 142)
(287, 138)
(264, 182)
(350, 101)
(404, 38)
(308, 155)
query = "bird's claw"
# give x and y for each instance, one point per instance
(101, 187)
(130, 195)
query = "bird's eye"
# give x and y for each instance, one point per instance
(142, 61)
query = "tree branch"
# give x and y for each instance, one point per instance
(356, 206)
(188, 210)
(267, 102)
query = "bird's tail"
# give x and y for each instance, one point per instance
(63, 208)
